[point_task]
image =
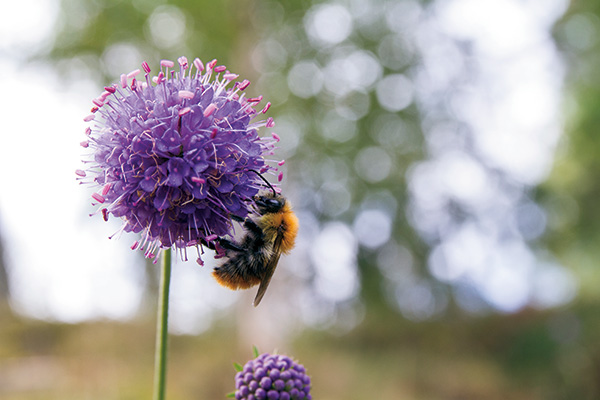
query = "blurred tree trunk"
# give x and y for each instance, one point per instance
(4, 288)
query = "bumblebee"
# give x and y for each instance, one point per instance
(252, 260)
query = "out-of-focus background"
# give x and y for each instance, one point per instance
(443, 157)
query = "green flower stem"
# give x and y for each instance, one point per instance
(162, 324)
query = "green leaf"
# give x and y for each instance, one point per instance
(255, 351)
(230, 395)
(238, 367)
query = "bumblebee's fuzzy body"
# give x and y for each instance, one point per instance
(253, 259)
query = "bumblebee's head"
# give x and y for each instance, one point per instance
(269, 202)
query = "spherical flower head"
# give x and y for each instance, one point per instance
(177, 154)
(272, 377)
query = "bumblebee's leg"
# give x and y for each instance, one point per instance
(251, 226)
(210, 245)
(236, 218)
(230, 245)
(248, 223)
(225, 244)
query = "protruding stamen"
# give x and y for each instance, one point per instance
(135, 245)
(98, 197)
(211, 64)
(80, 172)
(146, 67)
(104, 95)
(275, 136)
(110, 89)
(266, 108)
(280, 163)
(133, 73)
(280, 176)
(167, 63)
(184, 111)
(243, 84)
(255, 99)
(106, 189)
(185, 94)
(198, 64)
(84, 144)
(197, 179)
(213, 134)
(123, 81)
(270, 123)
(160, 77)
(183, 62)
(230, 76)
(220, 68)
(105, 214)
(210, 109)
(89, 118)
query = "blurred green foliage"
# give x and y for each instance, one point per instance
(573, 189)
(496, 357)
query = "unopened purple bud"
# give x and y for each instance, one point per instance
(266, 383)
(253, 386)
(260, 394)
(280, 378)
(274, 374)
(259, 373)
(285, 375)
(279, 385)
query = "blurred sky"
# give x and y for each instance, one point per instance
(62, 266)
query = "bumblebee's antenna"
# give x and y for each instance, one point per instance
(266, 181)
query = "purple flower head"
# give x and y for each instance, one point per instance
(272, 377)
(176, 154)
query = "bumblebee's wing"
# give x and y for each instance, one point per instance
(269, 270)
